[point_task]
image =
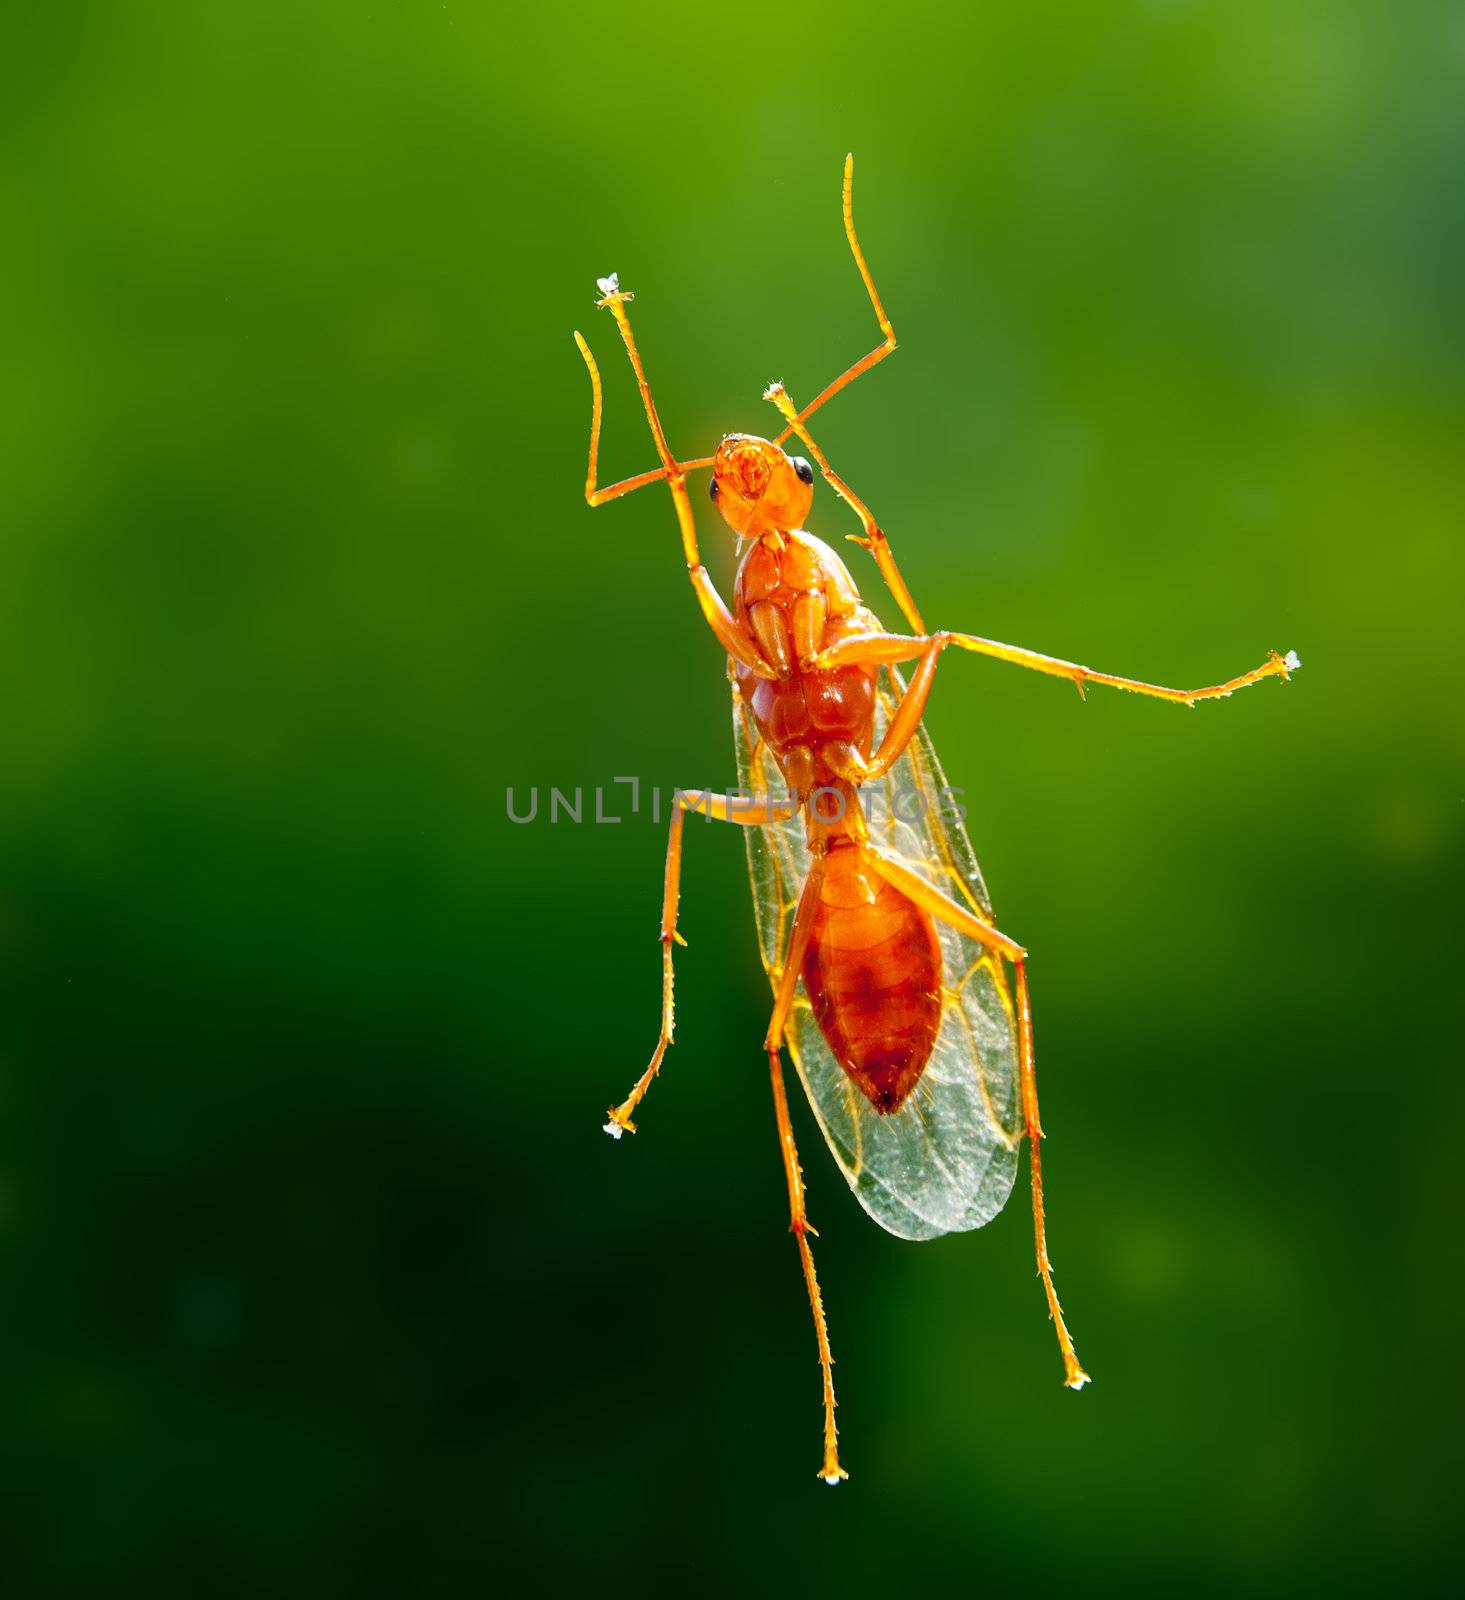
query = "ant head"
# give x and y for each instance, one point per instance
(758, 489)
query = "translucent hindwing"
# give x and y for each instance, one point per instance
(946, 1161)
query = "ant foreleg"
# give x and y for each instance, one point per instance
(730, 636)
(874, 539)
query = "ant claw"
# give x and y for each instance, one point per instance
(610, 291)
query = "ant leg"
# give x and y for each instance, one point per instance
(798, 943)
(1074, 1375)
(874, 539)
(801, 1228)
(944, 909)
(902, 726)
(799, 1224)
(734, 639)
(872, 648)
(887, 344)
(899, 731)
(725, 809)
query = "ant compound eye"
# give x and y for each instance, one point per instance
(802, 467)
(712, 491)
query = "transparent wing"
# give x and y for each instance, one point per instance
(946, 1161)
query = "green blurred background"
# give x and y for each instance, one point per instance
(317, 1274)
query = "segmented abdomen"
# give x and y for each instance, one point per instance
(872, 972)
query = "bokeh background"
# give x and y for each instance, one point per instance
(317, 1274)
